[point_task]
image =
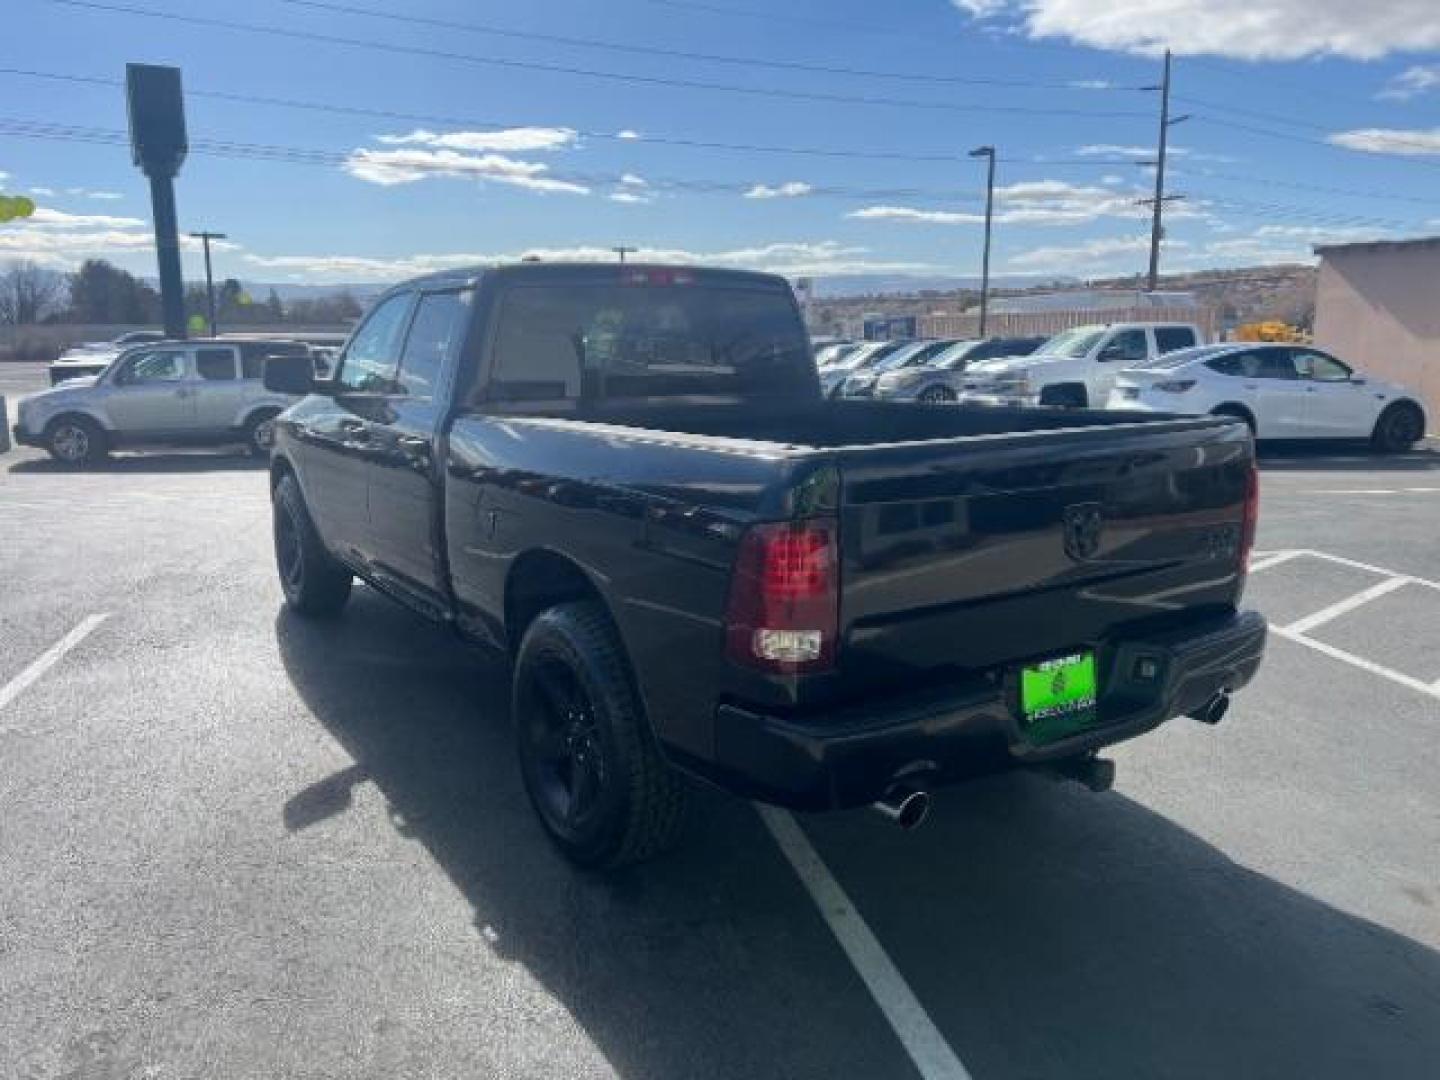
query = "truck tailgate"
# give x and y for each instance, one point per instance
(1000, 548)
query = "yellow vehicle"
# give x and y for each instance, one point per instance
(1273, 330)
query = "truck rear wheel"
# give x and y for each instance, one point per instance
(591, 767)
(315, 583)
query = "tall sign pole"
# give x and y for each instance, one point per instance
(158, 145)
(986, 152)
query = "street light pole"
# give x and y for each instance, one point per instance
(622, 251)
(987, 152)
(205, 238)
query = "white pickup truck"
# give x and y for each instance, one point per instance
(1076, 368)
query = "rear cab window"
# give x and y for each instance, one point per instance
(1171, 338)
(661, 335)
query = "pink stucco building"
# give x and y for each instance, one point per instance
(1377, 307)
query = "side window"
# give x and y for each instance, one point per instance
(165, 365)
(435, 335)
(1319, 367)
(1170, 338)
(1277, 364)
(537, 356)
(368, 363)
(1128, 346)
(215, 365)
(252, 360)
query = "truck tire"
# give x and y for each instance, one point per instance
(258, 429)
(1399, 428)
(315, 583)
(1239, 412)
(76, 440)
(590, 764)
(1067, 396)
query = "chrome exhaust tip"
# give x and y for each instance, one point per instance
(906, 806)
(1213, 710)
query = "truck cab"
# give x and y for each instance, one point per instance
(1077, 367)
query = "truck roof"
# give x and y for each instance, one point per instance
(471, 275)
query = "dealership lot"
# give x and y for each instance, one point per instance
(233, 844)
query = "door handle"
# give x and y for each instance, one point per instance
(413, 443)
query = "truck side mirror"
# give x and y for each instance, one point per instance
(290, 375)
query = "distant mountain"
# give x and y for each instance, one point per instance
(289, 290)
(909, 284)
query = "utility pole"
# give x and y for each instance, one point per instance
(987, 152)
(622, 251)
(1157, 204)
(205, 238)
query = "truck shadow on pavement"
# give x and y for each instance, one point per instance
(1048, 932)
(1340, 455)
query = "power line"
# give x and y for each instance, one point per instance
(593, 73)
(633, 139)
(682, 54)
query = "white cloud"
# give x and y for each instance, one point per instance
(108, 196)
(507, 139)
(1271, 244)
(43, 191)
(1245, 29)
(627, 133)
(631, 180)
(389, 167)
(1389, 140)
(1087, 257)
(1114, 150)
(1034, 202)
(791, 189)
(1112, 179)
(631, 197)
(44, 215)
(1092, 84)
(1412, 82)
(793, 259)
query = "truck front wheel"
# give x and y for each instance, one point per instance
(314, 582)
(589, 760)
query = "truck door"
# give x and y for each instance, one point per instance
(1125, 347)
(404, 482)
(337, 439)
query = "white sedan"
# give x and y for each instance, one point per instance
(1281, 391)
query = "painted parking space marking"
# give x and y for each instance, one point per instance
(48, 659)
(927, 1048)
(1350, 603)
(1298, 630)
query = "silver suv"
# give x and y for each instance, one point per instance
(176, 393)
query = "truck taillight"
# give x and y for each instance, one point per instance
(1252, 516)
(784, 609)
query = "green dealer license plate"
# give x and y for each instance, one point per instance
(1057, 697)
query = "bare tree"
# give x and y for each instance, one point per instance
(28, 293)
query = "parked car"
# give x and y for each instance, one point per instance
(1075, 368)
(626, 479)
(1280, 391)
(829, 354)
(834, 374)
(861, 384)
(941, 377)
(174, 393)
(92, 357)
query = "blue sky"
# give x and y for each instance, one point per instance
(1312, 121)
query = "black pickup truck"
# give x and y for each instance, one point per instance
(626, 478)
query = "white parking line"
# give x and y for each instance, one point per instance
(1369, 491)
(1433, 690)
(1265, 561)
(1350, 603)
(48, 659)
(922, 1040)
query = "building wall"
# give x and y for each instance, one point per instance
(1379, 311)
(1046, 323)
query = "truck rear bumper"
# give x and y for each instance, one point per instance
(851, 756)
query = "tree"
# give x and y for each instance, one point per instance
(29, 292)
(274, 310)
(101, 292)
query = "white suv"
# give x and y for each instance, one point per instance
(175, 393)
(1075, 368)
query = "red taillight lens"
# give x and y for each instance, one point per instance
(1252, 517)
(784, 608)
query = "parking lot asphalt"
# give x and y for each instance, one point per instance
(233, 844)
